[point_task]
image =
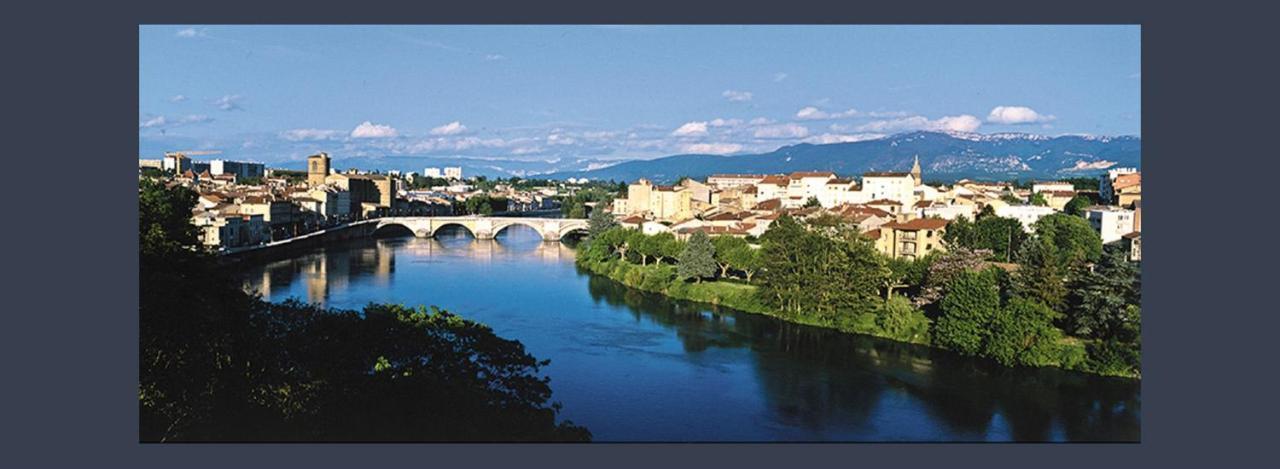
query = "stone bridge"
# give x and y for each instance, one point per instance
(551, 229)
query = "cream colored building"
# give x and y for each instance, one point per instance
(667, 203)
(912, 239)
(899, 187)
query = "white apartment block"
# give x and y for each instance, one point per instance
(1111, 223)
(898, 187)
(453, 172)
(432, 173)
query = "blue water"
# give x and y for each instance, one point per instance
(632, 366)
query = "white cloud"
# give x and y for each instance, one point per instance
(492, 57)
(1013, 115)
(302, 135)
(690, 129)
(813, 113)
(160, 122)
(719, 122)
(842, 138)
(782, 131)
(190, 32)
(368, 129)
(452, 128)
(178, 98)
(960, 123)
(712, 148)
(778, 77)
(230, 102)
(736, 96)
(761, 121)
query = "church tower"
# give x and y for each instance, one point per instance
(915, 170)
(317, 169)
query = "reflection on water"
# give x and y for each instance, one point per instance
(633, 366)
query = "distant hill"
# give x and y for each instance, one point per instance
(470, 166)
(943, 156)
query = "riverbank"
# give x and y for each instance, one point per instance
(661, 278)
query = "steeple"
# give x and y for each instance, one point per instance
(915, 170)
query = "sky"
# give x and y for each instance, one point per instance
(279, 93)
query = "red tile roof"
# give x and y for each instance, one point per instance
(918, 224)
(884, 174)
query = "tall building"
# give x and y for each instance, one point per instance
(898, 187)
(432, 173)
(454, 172)
(242, 170)
(915, 170)
(317, 168)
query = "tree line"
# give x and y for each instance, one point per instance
(1052, 296)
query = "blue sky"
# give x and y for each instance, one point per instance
(279, 93)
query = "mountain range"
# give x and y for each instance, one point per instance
(944, 156)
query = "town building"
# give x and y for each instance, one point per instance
(665, 203)
(453, 172)
(898, 187)
(911, 239)
(1111, 223)
(318, 169)
(728, 181)
(432, 173)
(1052, 186)
(241, 169)
(1123, 177)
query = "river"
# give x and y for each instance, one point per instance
(634, 366)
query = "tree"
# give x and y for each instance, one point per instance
(1022, 333)
(1040, 276)
(1038, 199)
(1001, 236)
(828, 275)
(970, 301)
(1072, 238)
(665, 246)
(1076, 206)
(898, 319)
(946, 267)
(697, 261)
(749, 259)
(1106, 301)
(726, 249)
(812, 202)
(599, 222)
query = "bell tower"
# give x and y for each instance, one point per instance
(317, 168)
(915, 170)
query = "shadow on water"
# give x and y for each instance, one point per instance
(819, 378)
(813, 383)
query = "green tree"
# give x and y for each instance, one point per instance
(1040, 276)
(1073, 239)
(748, 259)
(1076, 206)
(726, 250)
(946, 267)
(665, 246)
(897, 319)
(697, 261)
(828, 275)
(1038, 199)
(812, 202)
(968, 305)
(1002, 237)
(599, 222)
(1022, 333)
(1106, 301)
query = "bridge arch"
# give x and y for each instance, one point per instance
(434, 229)
(392, 227)
(499, 227)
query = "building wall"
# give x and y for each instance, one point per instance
(899, 188)
(317, 169)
